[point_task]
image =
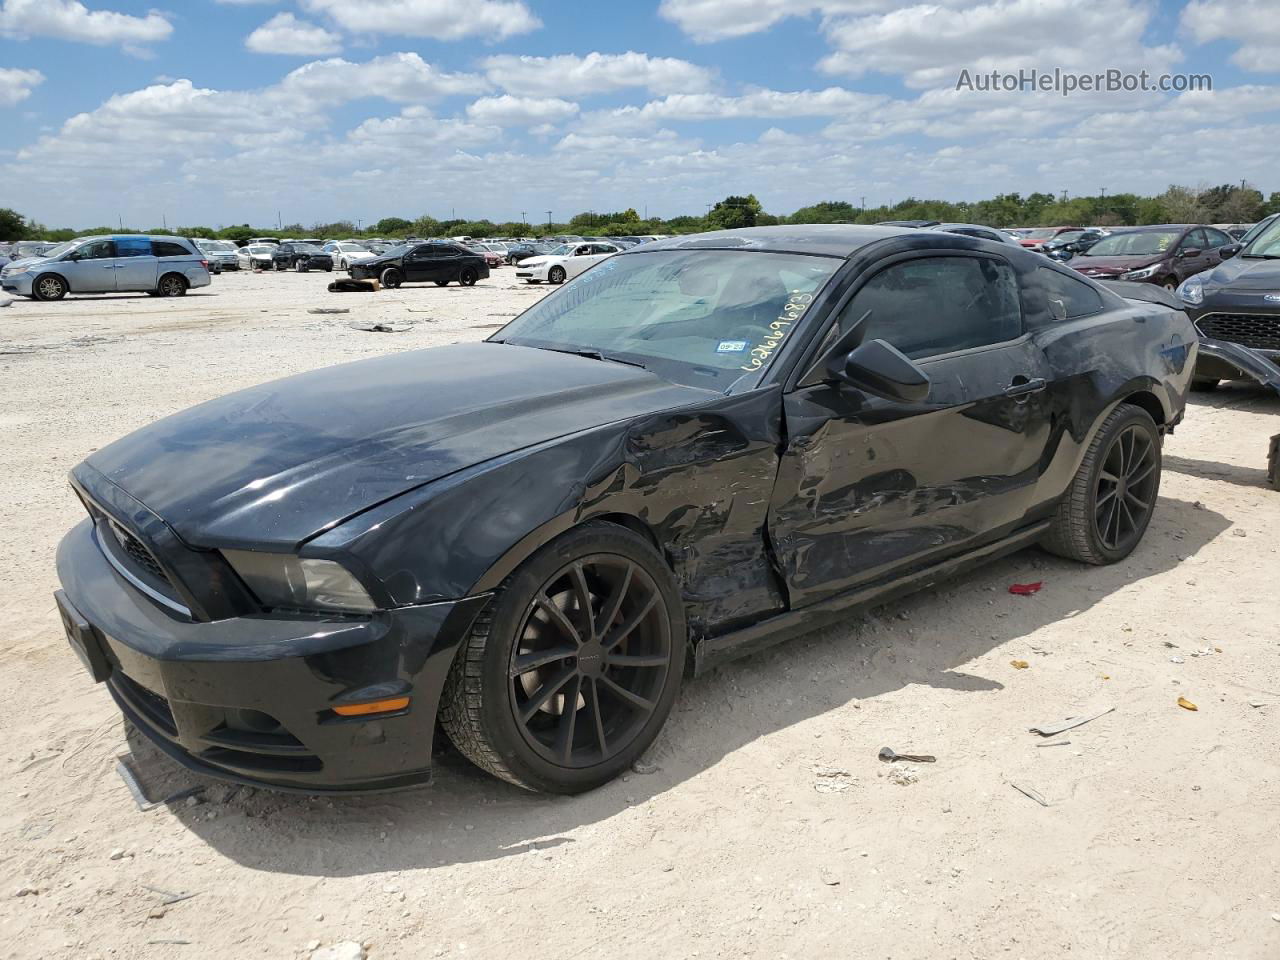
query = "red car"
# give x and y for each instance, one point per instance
(1035, 239)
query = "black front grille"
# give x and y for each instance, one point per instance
(1259, 331)
(138, 553)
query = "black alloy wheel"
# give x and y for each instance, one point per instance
(573, 668)
(1126, 488)
(172, 285)
(468, 277)
(591, 662)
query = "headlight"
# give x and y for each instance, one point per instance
(1142, 274)
(282, 580)
(1192, 291)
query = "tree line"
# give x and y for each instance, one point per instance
(1225, 203)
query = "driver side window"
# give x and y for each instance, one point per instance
(97, 250)
(935, 305)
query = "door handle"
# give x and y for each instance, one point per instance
(1022, 387)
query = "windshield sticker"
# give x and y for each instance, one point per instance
(792, 311)
(731, 346)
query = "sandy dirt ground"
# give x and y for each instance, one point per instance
(769, 828)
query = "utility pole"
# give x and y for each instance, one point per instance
(359, 224)
(1064, 194)
(864, 204)
(165, 221)
(548, 221)
(120, 219)
(522, 219)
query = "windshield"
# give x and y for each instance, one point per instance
(1043, 233)
(702, 317)
(306, 248)
(259, 248)
(561, 251)
(1136, 243)
(397, 251)
(351, 248)
(1267, 242)
(57, 251)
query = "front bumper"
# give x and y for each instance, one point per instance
(535, 272)
(20, 284)
(1239, 337)
(250, 698)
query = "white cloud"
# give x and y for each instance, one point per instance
(402, 77)
(569, 74)
(72, 20)
(509, 111)
(928, 44)
(831, 102)
(708, 20)
(1254, 24)
(285, 33)
(16, 85)
(439, 19)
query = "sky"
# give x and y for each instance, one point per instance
(216, 112)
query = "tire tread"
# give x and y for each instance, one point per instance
(1069, 533)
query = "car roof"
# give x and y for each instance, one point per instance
(820, 239)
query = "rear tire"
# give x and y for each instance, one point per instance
(1106, 509)
(468, 277)
(172, 285)
(538, 649)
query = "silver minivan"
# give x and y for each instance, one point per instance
(158, 266)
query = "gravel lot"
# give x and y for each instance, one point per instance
(769, 827)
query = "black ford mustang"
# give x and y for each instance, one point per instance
(438, 263)
(696, 448)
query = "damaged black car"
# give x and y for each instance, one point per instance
(696, 448)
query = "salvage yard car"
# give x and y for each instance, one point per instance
(1164, 255)
(347, 252)
(300, 257)
(221, 254)
(257, 256)
(564, 262)
(698, 447)
(438, 263)
(1236, 309)
(159, 266)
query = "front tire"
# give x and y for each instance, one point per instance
(1106, 509)
(300, 266)
(556, 275)
(49, 287)
(391, 277)
(572, 669)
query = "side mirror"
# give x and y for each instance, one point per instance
(1229, 251)
(880, 369)
(1189, 252)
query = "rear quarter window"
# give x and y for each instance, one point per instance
(1069, 298)
(168, 248)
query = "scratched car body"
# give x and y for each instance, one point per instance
(696, 448)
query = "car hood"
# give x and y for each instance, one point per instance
(28, 262)
(278, 463)
(536, 261)
(1114, 264)
(1243, 273)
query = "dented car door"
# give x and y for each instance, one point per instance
(869, 485)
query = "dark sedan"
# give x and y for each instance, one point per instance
(1164, 255)
(301, 257)
(1236, 309)
(438, 263)
(695, 448)
(523, 251)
